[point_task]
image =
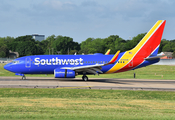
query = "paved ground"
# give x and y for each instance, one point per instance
(92, 83)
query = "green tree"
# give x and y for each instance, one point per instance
(2, 54)
(24, 45)
(72, 52)
(85, 45)
(98, 45)
(173, 54)
(162, 44)
(50, 40)
(120, 44)
(172, 43)
(63, 44)
(110, 43)
(91, 46)
(167, 48)
(135, 40)
(4, 51)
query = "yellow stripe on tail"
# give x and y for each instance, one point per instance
(107, 53)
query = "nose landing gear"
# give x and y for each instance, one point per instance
(24, 77)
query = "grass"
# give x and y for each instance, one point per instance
(150, 72)
(76, 104)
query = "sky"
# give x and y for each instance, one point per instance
(81, 19)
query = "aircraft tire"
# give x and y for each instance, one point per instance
(85, 78)
(23, 78)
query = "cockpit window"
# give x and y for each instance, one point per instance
(15, 62)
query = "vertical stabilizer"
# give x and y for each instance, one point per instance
(147, 47)
(150, 43)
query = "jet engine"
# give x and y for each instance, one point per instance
(64, 73)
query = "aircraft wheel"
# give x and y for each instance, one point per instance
(85, 78)
(23, 77)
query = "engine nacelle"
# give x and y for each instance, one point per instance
(64, 73)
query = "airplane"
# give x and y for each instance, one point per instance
(68, 66)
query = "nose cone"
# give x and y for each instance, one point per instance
(7, 67)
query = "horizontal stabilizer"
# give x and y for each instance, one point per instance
(155, 57)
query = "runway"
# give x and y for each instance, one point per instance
(92, 83)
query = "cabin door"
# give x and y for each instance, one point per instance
(28, 62)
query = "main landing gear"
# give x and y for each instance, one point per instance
(85, 78)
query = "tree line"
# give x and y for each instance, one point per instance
(26, 45)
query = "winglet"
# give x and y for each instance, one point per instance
(114, 58)
(107, 53)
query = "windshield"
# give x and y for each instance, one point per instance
(15, 61)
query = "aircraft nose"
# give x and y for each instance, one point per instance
(7, 67)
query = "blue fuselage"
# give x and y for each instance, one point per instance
(45, 64)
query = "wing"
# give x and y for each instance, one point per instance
(93, 68)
